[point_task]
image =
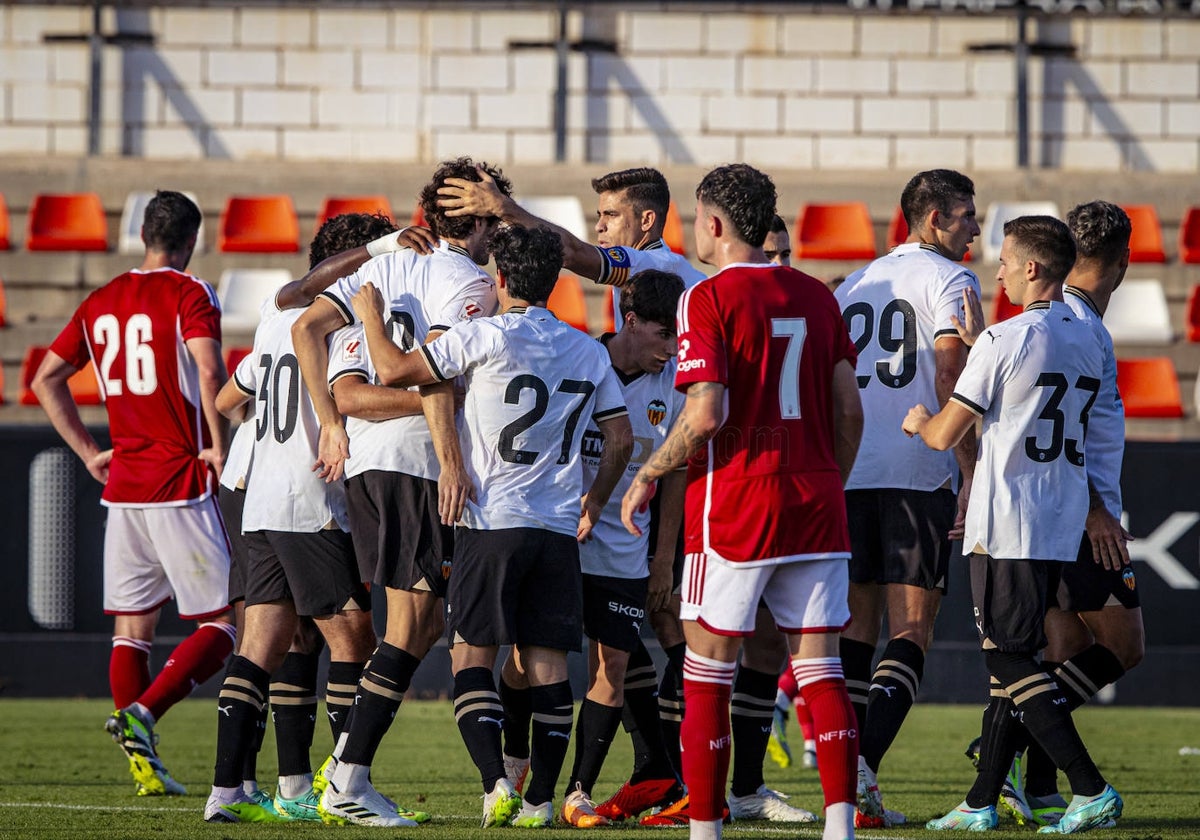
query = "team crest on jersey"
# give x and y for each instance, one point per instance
(471, 309)
(656, 412)
(352, 350)
(1129, 579)
(618, 257)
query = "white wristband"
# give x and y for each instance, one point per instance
(386, 244)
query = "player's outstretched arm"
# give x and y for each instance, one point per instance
(312, 353)
(210, 369)
(461, 197)
(393, 366)
(942, 430)
(847, 417)
(355, 397)
(232, 401)
(54, 395)
(972, 325)
(618, 447)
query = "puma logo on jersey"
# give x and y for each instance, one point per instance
(989, 332)
(482, 719)
(225, 710)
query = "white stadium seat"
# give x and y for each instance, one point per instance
(129, 240)
(1137, 314)
(566, 211)
(242, 292)
(999, 212)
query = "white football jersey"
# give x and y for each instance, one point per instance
(422, 294)
(653, 405)
(282, 491)
(618, 264)
(896, 307)
(237, 462)
(1106, 420)
(532, 385)
(1033, 379)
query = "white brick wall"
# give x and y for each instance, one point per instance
(784, 85)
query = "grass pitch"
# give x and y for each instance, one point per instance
(66, 779)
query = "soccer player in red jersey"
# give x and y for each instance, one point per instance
(154, 336)
(769, 430)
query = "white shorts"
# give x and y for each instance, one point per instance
(804, 596)
(153, 553)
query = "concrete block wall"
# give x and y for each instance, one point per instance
(776, 85)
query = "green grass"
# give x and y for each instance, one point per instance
(64, 778)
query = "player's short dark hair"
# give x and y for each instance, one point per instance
(171, 220)
(778, 225)
(1047, 241)
(530, 260)
(652, 295)
(933, 189)
(346, 231)
(644, 187)
(456, 227)
(1101, 231)
(746, 197)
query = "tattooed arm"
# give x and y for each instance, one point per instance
(702, 416)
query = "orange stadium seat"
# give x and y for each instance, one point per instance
(567, 301)
(834, 232)
(1146, 240)
(418, 217)
(259, 224)
(233, 355)
(1193, 314)
(1189, 236)
(67, 222)
(3, 305)
(673, 231)
(336, 205)
(1002, 309)
(5, 244)
(84, 387)
(1149, 387)
(610, 313)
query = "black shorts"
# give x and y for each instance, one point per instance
(899, 536)
(1086, 586)
(614, 609)
(399, 538)
(1010, 601)
(231, 503)
(315, 571)
(515, 586)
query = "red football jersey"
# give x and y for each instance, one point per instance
(767, 485)
(133, 330)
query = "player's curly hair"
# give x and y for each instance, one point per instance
(456, 227)
(1045, 240)
(652, 295)
(530, 260)
(346, 231)
(933, 189)
(171, 220)
(644, 187)
(746, 197)
(1101, 231)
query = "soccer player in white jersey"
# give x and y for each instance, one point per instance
(900, 311)
(396, 479)
(153, 335)
(532, 384)
(300, 563)
(1033, 380)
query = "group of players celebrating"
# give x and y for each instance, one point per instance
(759, 467)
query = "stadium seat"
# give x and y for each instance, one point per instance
(610, 312)
(233, 355)
(1137, 314)
(673, 231)
(1146, 239)
(566, 211)
(67, 222)
(5, 242)
(1002, 309)
(833, 232)
(336, 205)
(1193, 314)
(259, 224)
(567, 301)
(418, 217)
(898, 232)
(129, 237)
(84, 387)
(3, 305)
(242, 292)
(999, 212)
(1149, 387)
(1189, 236)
